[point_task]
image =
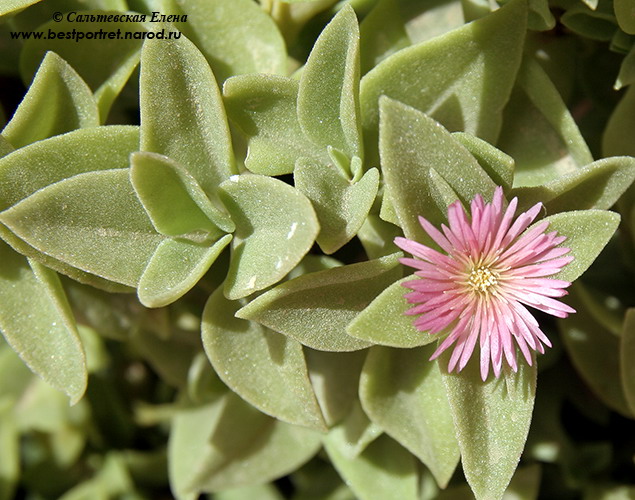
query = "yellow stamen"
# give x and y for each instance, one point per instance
(482, 278)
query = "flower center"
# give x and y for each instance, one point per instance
(482, 278)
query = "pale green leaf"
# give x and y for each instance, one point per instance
(498, 165)
(228, 444)
(385, 322)
(587, 232)
(87, 56)
(377, 237)
(355, 432)
(335, 379)
(173, 199)
(411, 146)
(383, 470)
(618, 134)
(265, 368)
(441, 76)
(275, 228)
(539, 131)
(403, 393)
(92, 221)
(251, 492)
(328, 102)
(341, 205)
(36, 166)
(627, 357)
(236, 37)
(176, 266)
(595, 353)
(339, 293)
(36, 321)
(264, 107)
(182, 114)
(5, 147)
(597, 24)
(596, 186)
(57, 101)
(492, 420)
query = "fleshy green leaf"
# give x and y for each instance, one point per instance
(275, 228)
(498, 165)
(383, 470)
(176, 266)
(236, 37)
(264, 107)
(412, 145)
(228, 444)
(36, 321)
(355, 432)
(618, 134)
(626, 75)
(539, 131)
(328, 105)
(36, 166)
(596, 186)
(265, 368)
(87, 56)
(182, 114)
(492, 420)
(341, 205)
(341, 292)
(335, 379)
(627, 355)
(441, 76)
(403, 393)
(173, 199)
(384, 321)
(595, 353)
(251, 492)
(92, 221)
(587, 232)
(377, 237)
(597, 24)
(58, 101)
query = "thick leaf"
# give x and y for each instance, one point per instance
(595, 23)
(236, 37)
(539, 131)
(596, 186)
(340, 294)
(595, 353)
(383, 470)
(264, 107)
(335, 379)
(173, 199)
(251, 492)
(377, 237)
(412, 145)
(587, 232)
(265, 368)
(627, 355)
(37, 322)
(87, 57)
(36, 166)
(403, 393)
(498, 165)
(355, 432)
(92, 221)
(618, 135)
(13, 5)
(626, 75)
(492, 420)
(58, 101)
(176, 266)
(341, 205)
(328, 105)
(441, 76)
(228, 444)
(625, 14)
(385, 322)
(275, 228)
(182, 114)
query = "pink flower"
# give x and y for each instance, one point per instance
(481, 288)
